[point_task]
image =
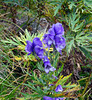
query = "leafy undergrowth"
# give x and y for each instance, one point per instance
(22, 76)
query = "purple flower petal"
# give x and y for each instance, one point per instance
(60, 40)
(49, 68)
(49, 37)
(39, 51)
(46, 37)
(54, 76)
(50, 85)
(36, 41)
(46, 60)
(59, 98)
(59, 30)
(51, 33)
(47, 98)
(40, 55)
(29, 47)
(54, 36)
(46, 70)
(35, 47)
(52, 69)
(59, 88)
(47, 65)
(47, 40)
(59, 43)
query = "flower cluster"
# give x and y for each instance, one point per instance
(54, 36)
(58, 89)
(35, 47)
(47, 65)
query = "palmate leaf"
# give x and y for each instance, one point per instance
(82, 39)
(84, 42)
(57, 9)
(40, 67)
(21, 40)
(73, 21)
(57, 5)
(70, 45)
(71, 4)
(28, 36)
(20, 43)
(89, 48)
(85, 52)
(13, 41)
(88, 3)
(9, 41)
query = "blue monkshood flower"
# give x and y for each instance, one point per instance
(47, 65)
(59, 98)
(59, 88)
(54, 76)
(51, 33)
(59, 30)
(59, 43)
(35, 47)
(49, 37)
(29, 47)
(47, 98)
(47, 40)
(51, 85)
(36, 41)
(54, 36)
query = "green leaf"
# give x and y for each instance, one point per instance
(72, 4)
(55, 60)
(69, 46)
(86, 53)
(73, 21)
(88, 3)
(28, 36)
(69, 86)
(59, 70)
(11, 94)
(57, 9)
(63, 80)
(31, 86)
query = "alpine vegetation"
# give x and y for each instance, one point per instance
(53, 37)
